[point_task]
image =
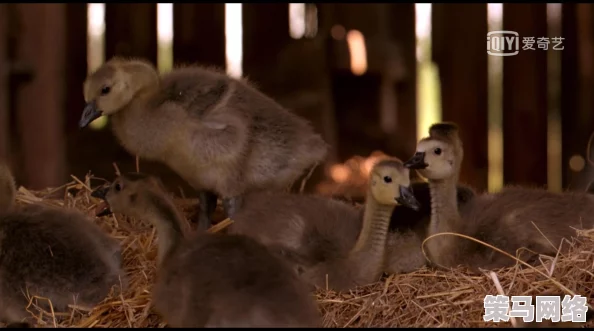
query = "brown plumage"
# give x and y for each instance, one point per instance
(53, 253)
(218, 133)
(212, 280)
(325, 236)
(504, 219)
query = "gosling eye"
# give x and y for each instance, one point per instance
(387, 179)
(105, 90)
(118, 187)
(437, 151)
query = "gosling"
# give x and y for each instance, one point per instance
(211, 280)
(409, 227)
(513, 218)
(52, 253)
(219, 133)
(325, 237)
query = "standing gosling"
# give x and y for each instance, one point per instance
(325, 236)
(52, 253)
(211, 280)
(513, 218)
(218, 133)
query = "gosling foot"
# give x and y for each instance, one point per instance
(232, 205)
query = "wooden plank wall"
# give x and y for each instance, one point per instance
(402, 29)
(12, 33)
(458, 49)
(40, 102)
(131, 30)
(265, 35)
(356, 98)
(76, 57)
(459, 32)
(4, 89)
(74, 76)
(359, 100)
(525, 107)
(577, 101)
(199, 33)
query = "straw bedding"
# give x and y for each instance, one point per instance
(426, 298)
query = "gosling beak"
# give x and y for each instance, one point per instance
(90, 113)
(407, 198)
(101, 193)
(417, 161)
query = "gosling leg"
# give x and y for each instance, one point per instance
(208, 203)
(232, 205)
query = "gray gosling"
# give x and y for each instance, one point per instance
(325, 237)
(51, 253)
(218, 133)
(211, 280)
(513, 218)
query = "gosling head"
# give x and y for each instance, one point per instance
(439, 155)
(390, 184)
(129, 194)
(111, 87)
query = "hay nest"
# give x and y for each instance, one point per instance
(425, 298)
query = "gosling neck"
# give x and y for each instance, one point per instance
(171, 227)
(141, 132)
(376, 221)
(444, 207)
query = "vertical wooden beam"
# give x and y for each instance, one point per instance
(265, 34)
(525, 98)
(403, 31)
(4, 95)
(577, 77)
(199, 33)
(356, 98)
(131, 30)
(40, 103)
(458, 37)
(363, 102)
(569, 87)
(366, 18)
(305, 88)
(300, 79)
(76, 57)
